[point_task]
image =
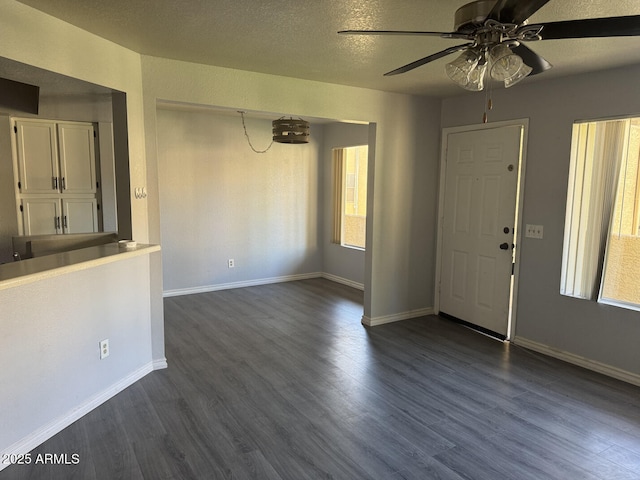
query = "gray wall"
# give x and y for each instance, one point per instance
(600, 333)
(8, 213)
(219, 200)
(270, 212)
(52, 326)
(51, 343)
(402, 203)
(345, 263)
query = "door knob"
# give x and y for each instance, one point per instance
(504, 246)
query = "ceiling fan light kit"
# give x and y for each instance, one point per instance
(496, 31)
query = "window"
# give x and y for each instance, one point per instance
(350, 195)
(601, 256)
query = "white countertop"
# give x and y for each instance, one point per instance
(34, 269)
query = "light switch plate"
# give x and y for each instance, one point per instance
(534, 231)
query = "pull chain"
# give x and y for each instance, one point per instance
(488, 102)
(248, 139)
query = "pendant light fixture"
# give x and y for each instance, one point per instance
(290, 130)
(293, 131)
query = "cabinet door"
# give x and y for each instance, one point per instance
(77, 158)
(79, 215)
(37, 157)
(41, 216)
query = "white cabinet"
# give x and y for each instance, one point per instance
(77, 158)
(41, 215)
(79, 215)
(56, 176)
(45, 215)
(37, 150)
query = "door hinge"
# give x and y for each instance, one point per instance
(19, 185)
(98, 206)
(513, 268)
(21, 208)
(15, 129)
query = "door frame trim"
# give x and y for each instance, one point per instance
(444, 140)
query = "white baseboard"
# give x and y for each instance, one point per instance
(343, 281)
(584, 362)
(248, 283)
(47, 431)
(160, 364)
(397, 317)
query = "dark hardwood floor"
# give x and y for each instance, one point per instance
(283, 382)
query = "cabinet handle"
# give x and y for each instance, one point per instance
(55, 182)
(64, 222)
(57, 223)
(64, 184)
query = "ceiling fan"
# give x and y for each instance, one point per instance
(496, 31)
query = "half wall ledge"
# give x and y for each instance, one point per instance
(35, 269)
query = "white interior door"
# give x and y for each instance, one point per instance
(481, 182)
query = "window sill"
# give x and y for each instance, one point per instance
(619, 304)
(353, 247)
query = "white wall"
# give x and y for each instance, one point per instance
(219, 200)
(580, 329)
(399, 278)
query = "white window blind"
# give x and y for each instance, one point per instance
(597, 152)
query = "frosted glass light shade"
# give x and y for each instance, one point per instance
(476, 78)
(506, 66)
(519, 75)
(464, 70)
(504, 63)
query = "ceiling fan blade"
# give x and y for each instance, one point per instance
(430, 58)
(591, 27)
(531, 58)
(515, 11)
(406, 32)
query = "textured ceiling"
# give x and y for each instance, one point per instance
(297, 38)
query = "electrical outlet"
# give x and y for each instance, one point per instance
(104, 349)
(231, 263)
(534, 231)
